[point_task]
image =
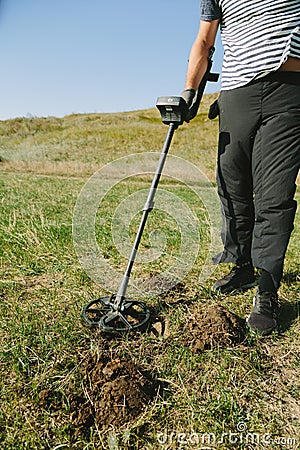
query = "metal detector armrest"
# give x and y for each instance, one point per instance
(214, 77)
(173, 109)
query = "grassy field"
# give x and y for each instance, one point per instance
(54, 368)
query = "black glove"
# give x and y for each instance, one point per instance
(189, 96)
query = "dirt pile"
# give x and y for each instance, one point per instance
(114, 393)
(212, 326)
(106, 390)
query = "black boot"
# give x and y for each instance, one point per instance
(240, 277)
(263, 318)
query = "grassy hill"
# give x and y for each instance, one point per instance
(186, 383)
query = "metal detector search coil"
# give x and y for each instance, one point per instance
(132, 315)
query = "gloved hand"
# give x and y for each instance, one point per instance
(189, 96)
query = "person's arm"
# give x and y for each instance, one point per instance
(200, 52)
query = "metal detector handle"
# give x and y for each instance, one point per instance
(208, 76)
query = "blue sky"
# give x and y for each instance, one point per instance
(78, 56)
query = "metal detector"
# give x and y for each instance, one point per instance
(118, 313)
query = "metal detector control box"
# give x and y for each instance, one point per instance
(173, 109)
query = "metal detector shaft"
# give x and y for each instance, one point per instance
(117, 314)
(147, 208)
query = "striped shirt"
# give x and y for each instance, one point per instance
(257, 35)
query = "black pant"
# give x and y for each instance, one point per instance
(258, 163)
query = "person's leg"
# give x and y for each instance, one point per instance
(276, 161)
(239, 120)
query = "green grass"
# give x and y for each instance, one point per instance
(45, 164)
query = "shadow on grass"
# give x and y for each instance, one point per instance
(289, 312)
(291, 277)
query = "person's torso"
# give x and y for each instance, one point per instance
(258, 36)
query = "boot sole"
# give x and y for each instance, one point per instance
(259, 332)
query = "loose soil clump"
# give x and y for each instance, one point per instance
(213, 326)
(115, 393)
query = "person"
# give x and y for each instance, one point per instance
(259, 139)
